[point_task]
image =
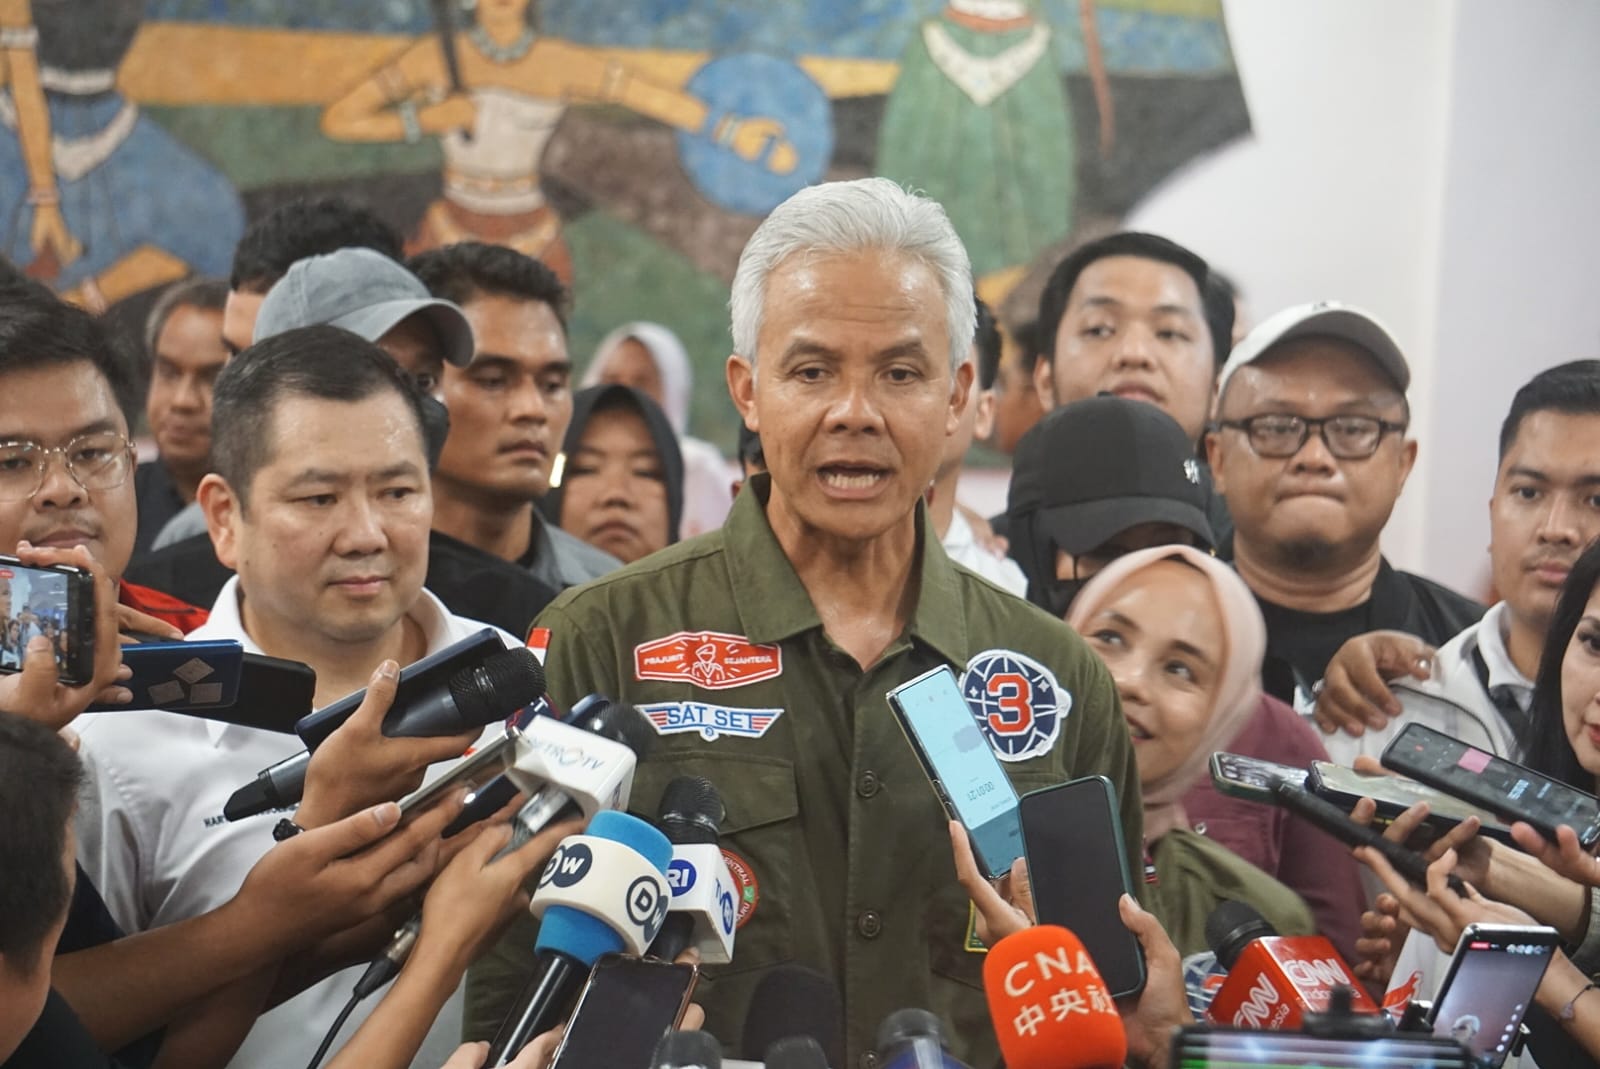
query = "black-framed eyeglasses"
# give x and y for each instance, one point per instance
(102, 460)
(1277, 435)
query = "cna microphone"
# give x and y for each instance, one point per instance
(792, 1000)
(603, 892)
(687, 1050)
(703, 911)
(914, 1039)
(1049, 1004)
(476, 696)
(1274, 980)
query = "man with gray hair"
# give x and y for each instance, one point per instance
(762, 651)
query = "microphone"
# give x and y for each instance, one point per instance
(914, 1039)
(687, 1050)
(703, 911)
(476, 696)
(792, 1000)
(604, 892)
(584, 767)
(1049, 1003)
(1274, 980)
(796, 1052)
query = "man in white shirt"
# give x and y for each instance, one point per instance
(319, 499)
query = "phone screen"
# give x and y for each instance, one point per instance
(959, 760)
(1489, 987)
(39, 601)
(1395, 794)
(623, 1012)
(1079, 868)
(1254, 777)
(1195, 1048)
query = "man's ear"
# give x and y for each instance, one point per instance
(960, 392)
(224, 513)
(1044, 382)
(1213, 445)
(742, 388)
(983, 422)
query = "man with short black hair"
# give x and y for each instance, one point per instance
(509, 410)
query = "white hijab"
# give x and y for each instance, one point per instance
(672, 363)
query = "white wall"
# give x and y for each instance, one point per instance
(1433, 162)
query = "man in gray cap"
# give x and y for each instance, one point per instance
(1310, 451)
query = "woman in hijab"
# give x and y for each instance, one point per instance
(621, 484)
(651, 359)
(1183, 639)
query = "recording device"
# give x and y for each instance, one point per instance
(479, 766)
(703, 911)
(1337, 823)
(792, 1000)
(1274, 980)
(567, 769)
(476, 696)
(796, 1052)
(1489, 986)
(1252, 778)
(628, 1008)
(1508, 790)
(1078, 866)
(1394, 795)
(1203, 1045)
(53, 600)
(181, 677)
(1050, 1006)
(604, 892)
(688, 1050)
(964, 771)
(914, 1039)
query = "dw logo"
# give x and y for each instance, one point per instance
(570, 864)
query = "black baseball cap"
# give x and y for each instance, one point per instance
(1094, 468)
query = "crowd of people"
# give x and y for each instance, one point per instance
(359, 459)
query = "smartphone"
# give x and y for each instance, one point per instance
(1338, 823)
(1198, 1046)
(1506, 789)
(1489, 986)
(1251, 778)
(624, 1010)
(181, 676)
(1394, 795)
(53, 600)
(471, 771)
(1078, 865)
(274, 693)
(965, 773)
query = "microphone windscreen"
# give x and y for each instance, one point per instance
(796, 1052)
(1233, 926)
(584, 936)
(619, 722)
(792, 1000)
(502, 684)
(1049, 1004)
(691, 811)
(687, 1050)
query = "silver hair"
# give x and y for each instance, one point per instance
(836, 217)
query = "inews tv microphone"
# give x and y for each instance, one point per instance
(603, 892)
(914, 1039)
(474, 696)
(687, 1050)
(703, 910)
(1050, 1006)
(792, 1000)
(1273, 980)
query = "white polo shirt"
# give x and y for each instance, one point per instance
(962, 547)
(152, 838)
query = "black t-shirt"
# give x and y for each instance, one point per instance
(57, 1040)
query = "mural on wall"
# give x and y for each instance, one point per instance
(632, 144)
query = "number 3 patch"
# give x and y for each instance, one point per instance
(1017, 703)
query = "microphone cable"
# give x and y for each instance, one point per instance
(333, 1032)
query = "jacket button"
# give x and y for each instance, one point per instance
(868, 785)
(869, 924)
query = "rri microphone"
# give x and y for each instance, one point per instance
(703, 908)
(1049, 1004)
(1273, 980)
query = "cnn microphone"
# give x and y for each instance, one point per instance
(603, 892)
(789, 1001)
(1274, 980)
(476, 696)
(914, 1039)
(703, 911)
(687, 1050)
(1049, 1004)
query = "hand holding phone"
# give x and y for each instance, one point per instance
(36, 686)
(51, 601)
(1490, 985)
(627, 1006)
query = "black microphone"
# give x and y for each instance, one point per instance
(691, 814)
(687, 1050)
(914, 1039)
(473, 697)
(792, 1000)
(796, 1052)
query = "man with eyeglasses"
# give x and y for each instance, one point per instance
(1310, 451)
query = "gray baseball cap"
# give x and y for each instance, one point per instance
(364, 292)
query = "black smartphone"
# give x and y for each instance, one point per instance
(1394, 795)
(1337, 823)
(1251, 778)
(965, 773)
(1199, 1046)
(1504, 788)
(1078, 865)
(624, 1010)
(1489, 986)
(53, 600)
